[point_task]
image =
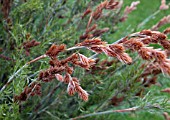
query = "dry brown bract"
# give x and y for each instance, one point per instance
(128, 10)
(95, 15)
(163, 21)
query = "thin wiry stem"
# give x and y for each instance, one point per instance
(75, 48)
(147, 19)
(12, 77)
(107, 112)
(38, 58)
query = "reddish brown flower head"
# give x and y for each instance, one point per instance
(28, 45)
(54, 70)
(165, 44)
(112, 4)
(96, 48)
(133, 44)
(86, 61)
(91, 28)
(125, 58)
(86, 12)
(33, 89)
(116, 100)
(55, 49)
(67, 78)
(158, 36)
(128, 10)
(146, 32)
(165, 66)
(145, 53)
(90, 42)
(82, 93)
(117, 48)
(72, 58)
(147, 40)
(159, 55)
(167, 31)
(132, 7)
(163, 21)
(71, 88)
(76, 81)
(98, 11)
(69, 69)
(85, 36)
(55, 62)
(108, 51)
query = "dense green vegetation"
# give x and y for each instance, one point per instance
(59, 22)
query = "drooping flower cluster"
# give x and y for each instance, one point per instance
(163, 21)
(113, 50)
(148, 53)
(128, 10)
(95, 15)
(60, 67)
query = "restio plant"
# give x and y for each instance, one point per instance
(92, 59)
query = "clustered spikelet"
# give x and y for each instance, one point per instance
(88, 11)
(32, 90)
(60, 67)
(54, 50)
(158, 61)
(91, 42)
(148, 53)
(167, 31)
(113, 50)
(95, 15)
(128, 10)
(156, 37)
(163, 21)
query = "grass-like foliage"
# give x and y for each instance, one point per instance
(91, 59)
